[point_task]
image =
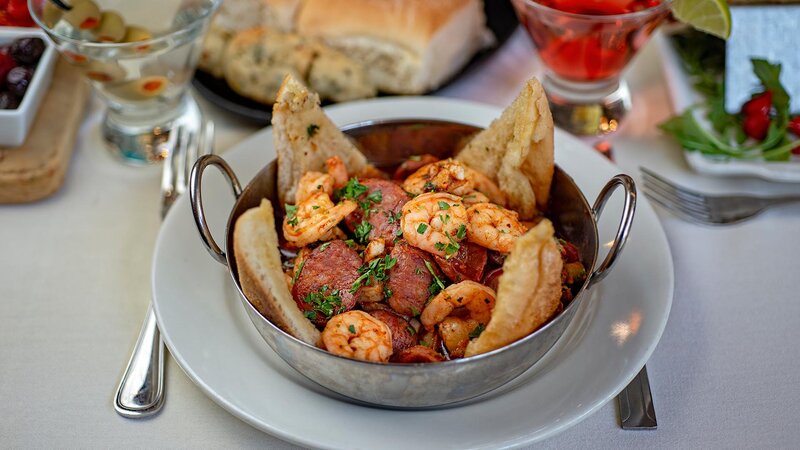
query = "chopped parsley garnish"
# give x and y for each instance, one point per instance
(428, 187)
(476, 331)
(421, 228)
(375, 197)
(387, 293)
(312, 130)
(362, 231)
(443, 205)
(392, 217)
(374, 270)
(315, 207)
(450, 248)
(350, 243)
(324, 246)
(418, 271)
(297, 271)
(352, 328)
(462, 231)
(352, 190)
(324, 302)
(291, 215)
(437, 285)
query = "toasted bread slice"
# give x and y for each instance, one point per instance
(305, 137)
(516, 151)
(528, 293)
(255, 244)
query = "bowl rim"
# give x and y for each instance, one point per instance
(442, 365)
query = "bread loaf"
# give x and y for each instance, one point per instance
(407, 47)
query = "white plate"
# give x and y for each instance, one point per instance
(212, 339)
(684, 96)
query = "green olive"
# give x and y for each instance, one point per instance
(51, 14)
(136, 34)
(84, 15)
(104, 72)
(111, 29)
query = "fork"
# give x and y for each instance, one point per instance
(703, 208)
(141, 389)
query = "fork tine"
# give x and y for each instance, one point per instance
(207, 147)
(673, 197)
(168, 193)
(678, 191)
(181, 155)
(678, 210)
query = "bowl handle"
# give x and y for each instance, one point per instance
(196, 199)
(625, 222)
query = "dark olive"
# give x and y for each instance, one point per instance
(18, 80)
(8, 100)
(27, 51)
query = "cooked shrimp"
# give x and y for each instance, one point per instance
(371, 294)
(456, 332)
(474, 197)
(314, 218)
(486, 186)
(493, 227)
(442, 176)
(311, 183)
(337, 171)
(356, 334)
(476, 298)
(375, 249)
(434, 222)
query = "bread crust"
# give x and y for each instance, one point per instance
(413, 23)
(305, 138)
(516, 151)
(528, 293)
(255, 246)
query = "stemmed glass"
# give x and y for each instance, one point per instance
(140, 57)
(584, 46)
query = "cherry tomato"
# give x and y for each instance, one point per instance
(756, 126)
(760, 104)
(794, 125)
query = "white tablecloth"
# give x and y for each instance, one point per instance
(75, 283)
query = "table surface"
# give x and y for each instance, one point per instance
(75, 284)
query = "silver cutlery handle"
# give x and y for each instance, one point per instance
(141, 390)
(636, 410)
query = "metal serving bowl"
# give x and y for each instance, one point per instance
(407, 386)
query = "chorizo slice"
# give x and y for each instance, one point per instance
(417, 354)
(412, 164)
(384, 202)
(403, 334)
(409, 279)
(322, 284)
(466, 264)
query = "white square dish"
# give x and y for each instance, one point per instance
(683, 96)
(15, 123)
